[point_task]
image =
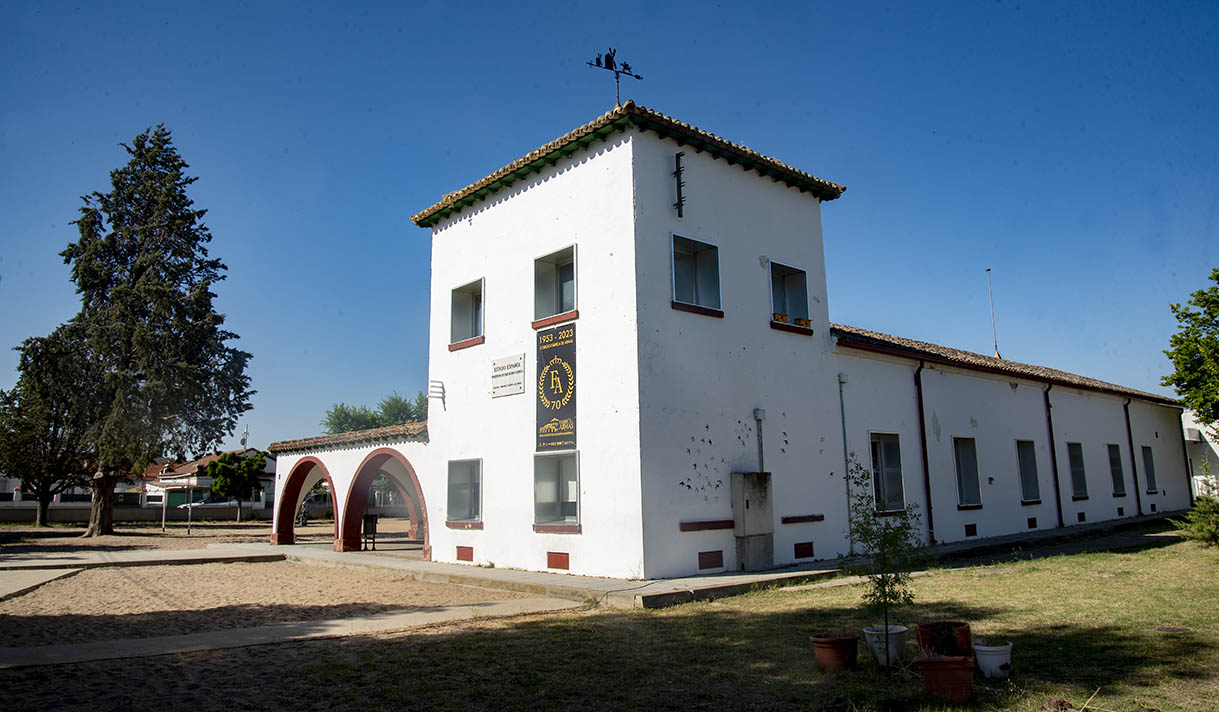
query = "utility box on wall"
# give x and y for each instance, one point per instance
(753, 520)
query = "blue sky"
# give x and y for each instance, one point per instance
(1070, 147)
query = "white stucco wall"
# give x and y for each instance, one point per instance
(586, 202)
(1203, 454)
(700, 377)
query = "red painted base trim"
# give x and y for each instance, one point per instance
(801, 518)
(348, 544)
(557, 528)
(780, 326)
(285, 538)
(463, 525)
(427, 553)
(696, 309)
(556, 319)
(467, 343)
(704, 526)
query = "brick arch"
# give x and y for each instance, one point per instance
(285, 517)
(357, 499)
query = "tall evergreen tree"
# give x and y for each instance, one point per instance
(170, 381)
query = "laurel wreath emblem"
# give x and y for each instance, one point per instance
(556, 362)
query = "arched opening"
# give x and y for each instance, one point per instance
(391, 464)
(307, 472)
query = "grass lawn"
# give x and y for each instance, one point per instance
(1142, 626)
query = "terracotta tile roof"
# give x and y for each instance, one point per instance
(619, 119)
(415, 430)
(853, 337)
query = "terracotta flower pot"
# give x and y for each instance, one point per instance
(944, 638)
(835, 652)
(949, 678)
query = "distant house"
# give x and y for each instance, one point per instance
(191, 481)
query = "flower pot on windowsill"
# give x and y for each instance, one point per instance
(835, 651)
(876, 641)
(801, 321)
(949, 677)
(781, 318)
(944, 638)
(994, 660)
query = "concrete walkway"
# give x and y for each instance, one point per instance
(86, 558)
(283, 633)
(15, 583)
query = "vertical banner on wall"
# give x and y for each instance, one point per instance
(556, 388)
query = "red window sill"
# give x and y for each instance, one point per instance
(890, 513)
(696, 309)
(705, 526)
(557, 319)
(967, 507)
(1029, 502)
(800, 519)
(793, 328)
(556, 528)
(1078, 497)
(464, 525)
(467, 343)
(1153, 491)
(1119, 494)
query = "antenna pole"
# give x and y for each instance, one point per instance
(993, 331)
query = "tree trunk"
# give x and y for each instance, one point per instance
(101, 514)
(42, 515)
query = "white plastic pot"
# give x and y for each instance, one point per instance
(994, 660)
(876, 641)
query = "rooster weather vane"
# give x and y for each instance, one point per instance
(609, 62)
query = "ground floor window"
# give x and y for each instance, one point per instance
(1026, 458)
(1079, 479)
(1149, 467)
(1115, 469)
(965, 452)
(465, 490)
(887, 472)
(556, 489)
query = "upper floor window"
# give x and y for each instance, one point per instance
(467, 312)
(965, 451)
(789, 295)
(696, 273)
(887, 473)
(554, 283)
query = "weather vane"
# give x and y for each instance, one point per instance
(609, 61)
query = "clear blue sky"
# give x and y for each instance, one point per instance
(1071, 147)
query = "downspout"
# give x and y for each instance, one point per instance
(1189, 476)
(922, 439)
(758, 416)
(846, 459)
(1049, 423)
(1134, 463)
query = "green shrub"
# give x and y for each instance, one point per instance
(1201, 524)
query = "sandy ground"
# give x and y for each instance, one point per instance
(137, 602)
(28, 539)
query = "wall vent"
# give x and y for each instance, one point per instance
(711, 559)
(465, 553)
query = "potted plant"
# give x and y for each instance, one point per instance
(806, 323)
(780, 317)
(835, 651)
(994, 660)
(885, 548)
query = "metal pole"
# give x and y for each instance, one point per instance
(190, 500)
(164, 496)
(993, 331)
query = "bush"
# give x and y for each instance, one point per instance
(1201, 524)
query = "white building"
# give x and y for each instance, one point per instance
(626, 317)
(1202, 447)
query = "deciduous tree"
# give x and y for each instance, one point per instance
(1195, 353)
(393, 410)
(170, 381)
(237, 476)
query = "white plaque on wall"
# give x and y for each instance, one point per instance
(508, 376)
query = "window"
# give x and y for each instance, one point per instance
(467, 313)
(1149, 467)
(965, 452)
(556, 489)
(788, 295)
(1115, 469)
(554, 283)
(1026, 458)
(465, 490)
(1079, 481)
(887, 473)
(696, 273)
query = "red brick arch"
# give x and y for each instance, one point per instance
(285, 516)
(357, 499)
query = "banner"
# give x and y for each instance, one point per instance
(556, 388)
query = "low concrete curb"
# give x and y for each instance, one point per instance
(15, 583)
(140, 557)
(287, 632)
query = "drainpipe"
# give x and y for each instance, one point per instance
(758, 416)
(1134, 463)
(1189, 476)
(1049, 424)
(922, 440)
(846, 457)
